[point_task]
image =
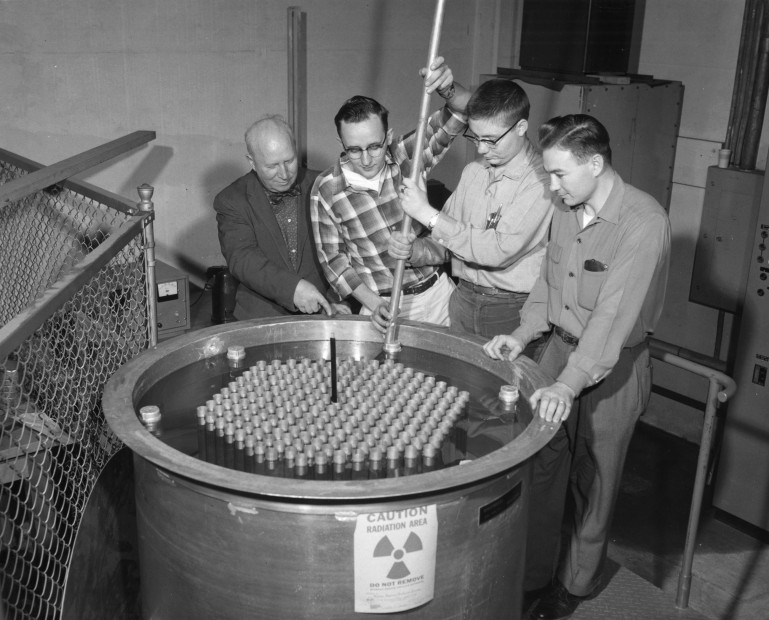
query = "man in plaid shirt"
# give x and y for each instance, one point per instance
(355, 204)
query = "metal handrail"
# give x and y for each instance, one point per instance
(721, 388)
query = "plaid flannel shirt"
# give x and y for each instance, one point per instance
(352, 226)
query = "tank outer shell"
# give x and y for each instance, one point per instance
(354, 336)
(214, 542)
(207, 554)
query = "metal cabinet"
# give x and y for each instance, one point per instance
(642, 117)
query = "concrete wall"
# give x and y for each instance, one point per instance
(198, 72)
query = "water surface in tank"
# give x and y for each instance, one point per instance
(484, 425)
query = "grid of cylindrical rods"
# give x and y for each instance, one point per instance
(278, 419)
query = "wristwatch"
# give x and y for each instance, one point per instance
(433, 221)
(448, 92)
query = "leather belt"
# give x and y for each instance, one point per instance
(421, 286)
(574, 341)
(491, 291)
(566, 336)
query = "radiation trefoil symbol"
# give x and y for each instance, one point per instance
(385, 548)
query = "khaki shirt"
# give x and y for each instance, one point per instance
(605, 284)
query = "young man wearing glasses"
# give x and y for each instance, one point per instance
(494, 227)
(355, 204)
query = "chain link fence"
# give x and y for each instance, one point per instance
(73, 309)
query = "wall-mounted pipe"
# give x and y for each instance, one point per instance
(757, 108)
(751, 84)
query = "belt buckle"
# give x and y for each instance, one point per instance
(478, 289)
(566, 336)
(422, 285)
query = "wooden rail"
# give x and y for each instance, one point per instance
(50, 175)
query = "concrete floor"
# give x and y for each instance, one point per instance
(730, 573)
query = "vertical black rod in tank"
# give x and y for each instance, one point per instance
(333, 370)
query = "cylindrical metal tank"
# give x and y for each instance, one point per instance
(218, 543)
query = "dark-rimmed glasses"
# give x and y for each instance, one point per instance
(487, 141)
(356, 152)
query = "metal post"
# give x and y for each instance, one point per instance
(146, 204)
(297, 79)
(703, 459)
(392, 345)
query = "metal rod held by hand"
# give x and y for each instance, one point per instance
(391, 345)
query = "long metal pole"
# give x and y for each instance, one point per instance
(392, 345)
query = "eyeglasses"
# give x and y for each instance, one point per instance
(355, 152)
(487, 141)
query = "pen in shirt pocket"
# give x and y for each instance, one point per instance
(493, 219)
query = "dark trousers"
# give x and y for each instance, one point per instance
(489, 315)
(586, 456)
(484, 315)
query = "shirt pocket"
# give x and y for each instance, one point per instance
(590, 285)
(554, 256)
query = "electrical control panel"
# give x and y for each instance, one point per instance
(742, 484)
(173, 300)
(724, 252)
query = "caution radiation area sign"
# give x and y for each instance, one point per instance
(395, 559)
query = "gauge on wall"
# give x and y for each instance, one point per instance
(168, 290)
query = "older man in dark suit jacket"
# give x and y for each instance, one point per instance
(265, 231)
